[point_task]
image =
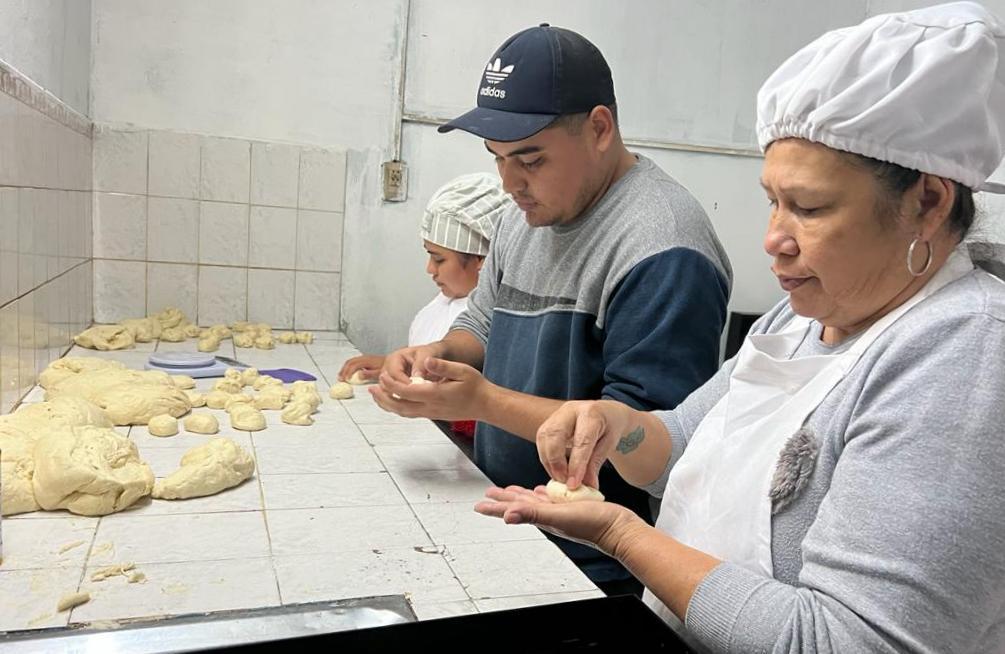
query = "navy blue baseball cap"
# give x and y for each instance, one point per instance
(533, 78)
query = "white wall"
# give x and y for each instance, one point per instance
(300, 71)
(686, 74)
(49, 41)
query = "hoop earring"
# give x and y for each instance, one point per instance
(910, 258)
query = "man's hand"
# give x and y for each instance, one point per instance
(408, 362)
(368, 366)
(459, 392)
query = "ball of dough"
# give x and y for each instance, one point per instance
(228, 385)
(208, 344)
(244, 339)
(202, 423)
(195, 399)
(305, 338)
(163, 425)
(192, 331)
(559, 492)
(265, 380)
(418, 380)
(265, 342)
(356, 379)
(298, 412)
(287, 338)
(246, 417)
(217, 399)
(183, 382)
(248, 376)
(220, 332)
(236, 399)
(272, 397)
(341, 391)
(173, 335)
(233, 374)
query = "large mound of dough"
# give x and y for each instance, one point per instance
(18, 434)
(60, 369)
(105, 337)
(207, 469)
(130, 397)
(170, 317)
(89, 471)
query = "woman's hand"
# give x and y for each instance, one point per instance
(576, 440)
(602, 525)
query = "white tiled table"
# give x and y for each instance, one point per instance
(362, 503)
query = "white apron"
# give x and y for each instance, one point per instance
(717, 496)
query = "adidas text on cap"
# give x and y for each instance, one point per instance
(533, 78)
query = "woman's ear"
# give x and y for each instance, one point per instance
(934, 202)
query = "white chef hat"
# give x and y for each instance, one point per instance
(923, 89)
(462, 214)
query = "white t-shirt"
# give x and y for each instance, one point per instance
(434, 320)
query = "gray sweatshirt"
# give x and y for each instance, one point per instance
(897, 543)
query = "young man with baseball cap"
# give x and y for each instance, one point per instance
(606, 281)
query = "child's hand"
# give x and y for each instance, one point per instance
(368, 366)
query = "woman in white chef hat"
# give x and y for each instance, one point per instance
(456, 229)
(838, 486)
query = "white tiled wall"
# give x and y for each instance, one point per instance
(225, 229)
(45, 232)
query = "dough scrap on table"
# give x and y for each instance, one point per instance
(245, 417)
(71, 600)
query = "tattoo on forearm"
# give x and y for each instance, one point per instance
(629, 443)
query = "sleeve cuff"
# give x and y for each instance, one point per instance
(717, 602)
(677, 444)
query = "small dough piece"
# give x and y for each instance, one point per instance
(173, 335)
(193, 331)
(208, 344)
(196, 399)
(117, 570)
(244, 339)
(356, 379)
(70, 600)
(169, 317)
(238, 398)
(220, 332)
(183, 382)
(306, 391)
(341, 391)
(305, 338)
(298, 412)
(228, 385)
(105, 337)
(215, 466)
(233, 374)
(248, 376)
(287, 338)
(272, 397)
(265, 342)
(144, 330)
(239, 326)
(202, 423)
(163, 425)
(217, 399)
(265, 380)
(89, 471)
(418, 380)
(559, 492)
(245, 417)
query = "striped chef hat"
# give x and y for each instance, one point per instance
(463, 213)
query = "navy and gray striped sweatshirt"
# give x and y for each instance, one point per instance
(626, 303)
